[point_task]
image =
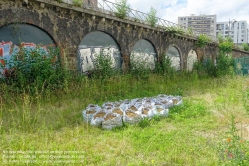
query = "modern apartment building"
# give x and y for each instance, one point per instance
(205, 24)
(237, 30)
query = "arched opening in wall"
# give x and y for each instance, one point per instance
(192, 58)
(25, 33)
(143, 54)
(96, 44)
(174, 55)
(13, 37)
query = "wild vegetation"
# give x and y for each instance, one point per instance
(43, 113)
(122, 8)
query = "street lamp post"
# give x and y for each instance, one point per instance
(231, 22)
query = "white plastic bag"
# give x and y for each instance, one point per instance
(176, 100)
(89, 112)
(148, 112)
(111, 120)
(132, 117)
(98, 118)
(161, 111)
(118, 110)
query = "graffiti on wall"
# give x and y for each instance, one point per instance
(192, 58)
(174, 56)
(9, 53)
(143, 53)
(144, 57)
(89, 54)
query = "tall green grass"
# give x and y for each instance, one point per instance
(195, 133)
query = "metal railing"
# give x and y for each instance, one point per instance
(111, 8)
(141, 17)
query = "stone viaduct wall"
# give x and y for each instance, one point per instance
(68, 25)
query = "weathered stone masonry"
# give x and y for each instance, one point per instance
(68, 25)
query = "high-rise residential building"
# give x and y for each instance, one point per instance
(237, 30)
(205, 24)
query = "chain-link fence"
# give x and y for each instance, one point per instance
(242, 65)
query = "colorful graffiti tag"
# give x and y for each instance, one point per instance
(9, 53)
(89, 54)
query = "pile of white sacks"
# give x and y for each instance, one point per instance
(113, 114)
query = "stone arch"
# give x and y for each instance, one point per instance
(25, 32)
(173, 52)
(192, 57)
(94, 43)
(144, 51)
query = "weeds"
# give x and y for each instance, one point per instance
(151, 17)
(122, 8)
(234, 150)
(77, 3)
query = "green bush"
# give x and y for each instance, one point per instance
(139, 67)
(226, 45)
(202, 41)
(78, 3)
(208, 68)
(245, 46)
(164, 67)
(34, 70)
(151, 17)
(103, 66)
(174, 30)
(122, 8)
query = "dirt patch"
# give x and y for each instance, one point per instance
(99, 115)
(164, 102)
(90, 112)
(118, 111)
(145, 111)
(159, 109)
(109, 116)
(131, 114)
(133, 108)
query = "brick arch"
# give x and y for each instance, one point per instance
(179, 50)
(153, 45)
(194, 49)
(10, 23)
(111, 35)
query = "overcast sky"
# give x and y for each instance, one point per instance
(171, 9)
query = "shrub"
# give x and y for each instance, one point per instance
(103, 65)
(202, 41)
(35, 69)
(174, 30)
(122, 8)
(78, 3)
(245, 46)
(151, 17)
(164, 67)
(139, 66)
(226, 45)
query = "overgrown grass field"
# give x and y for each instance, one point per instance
(210, 128)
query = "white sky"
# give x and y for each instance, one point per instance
(171, 9)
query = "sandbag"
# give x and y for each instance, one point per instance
(111, 120)
(98, 118)
(90, 110)
(161, 111)
(176, 100)
(148, 112)
(132, 117)
(118, 110)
